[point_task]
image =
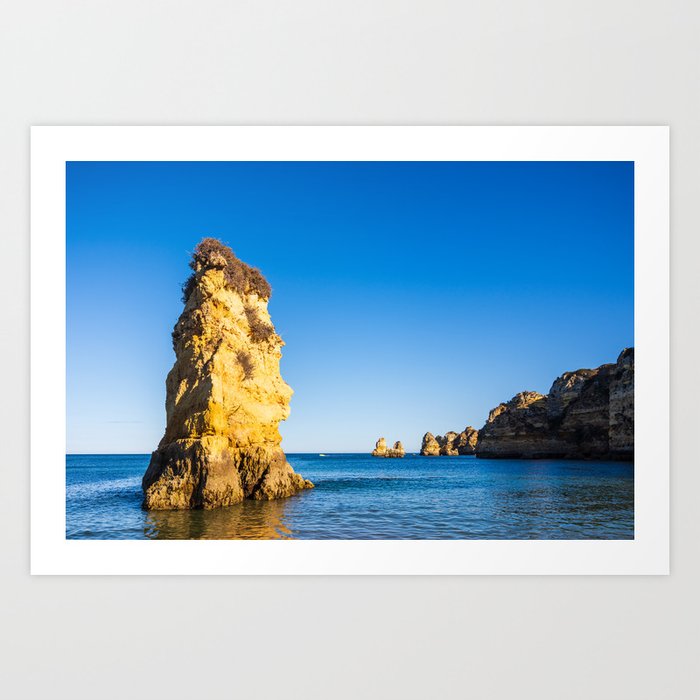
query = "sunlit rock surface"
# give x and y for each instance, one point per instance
(588, 414)
(450, 444)
(225, 396)
(381, 449)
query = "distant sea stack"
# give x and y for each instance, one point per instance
(224, 395)
(588, 414)
(381, 449)
(451, 444)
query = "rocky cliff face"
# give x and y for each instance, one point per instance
(224, 395)
(450, 444)
(621, 425)
(381, 449)
(430, 446)
(587, 414)
(466, 441)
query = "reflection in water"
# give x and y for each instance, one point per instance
(249, 520)
(360, 497)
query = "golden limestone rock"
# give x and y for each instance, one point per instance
(430, 446)
(381, 449)
(466, 441)
(451, 444)
(588, 414)
(224, 395)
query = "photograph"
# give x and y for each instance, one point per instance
(350, 350)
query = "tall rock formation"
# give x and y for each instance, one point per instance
(430, 446)
(451, 444)
(224, 395)
(466, 441)
(447, 443)
(381, 449)
(587, 414)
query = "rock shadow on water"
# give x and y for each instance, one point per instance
(248, 520)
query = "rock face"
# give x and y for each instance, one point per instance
(447, 443)
(430, 446)
(224, 395)
(381, 450)
(588, 414)
(622, 405)
(451, 444)
(466, 441)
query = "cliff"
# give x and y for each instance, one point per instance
(587, 414)
(224, 395)
(452, 443)
(622, 405)
(381, 449)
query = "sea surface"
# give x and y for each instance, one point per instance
(362, 497)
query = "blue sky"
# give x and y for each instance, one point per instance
(411, 296)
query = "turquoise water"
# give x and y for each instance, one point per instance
(363, 497)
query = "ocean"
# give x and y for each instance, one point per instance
(362, 497)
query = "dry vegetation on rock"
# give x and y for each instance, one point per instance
(211, 253)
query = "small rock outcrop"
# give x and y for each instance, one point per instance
(224, 395)
(466, 441)
(588, 414)
(430, 446)
(447, 444)
(450, 444)
(381, 449)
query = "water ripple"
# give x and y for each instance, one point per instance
(360, 497)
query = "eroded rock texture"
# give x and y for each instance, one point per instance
(450, 444)
(622, 405)
(381, 449)
(588, 414)
(430, 446)
(224, 395)
(466, 441)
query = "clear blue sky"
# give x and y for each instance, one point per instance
(411, 296)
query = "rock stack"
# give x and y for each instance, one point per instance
(451, 444)
(224, 395)
(381, 449)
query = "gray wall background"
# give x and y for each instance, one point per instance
(353, 62)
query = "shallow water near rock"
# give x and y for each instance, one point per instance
(362, 497)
